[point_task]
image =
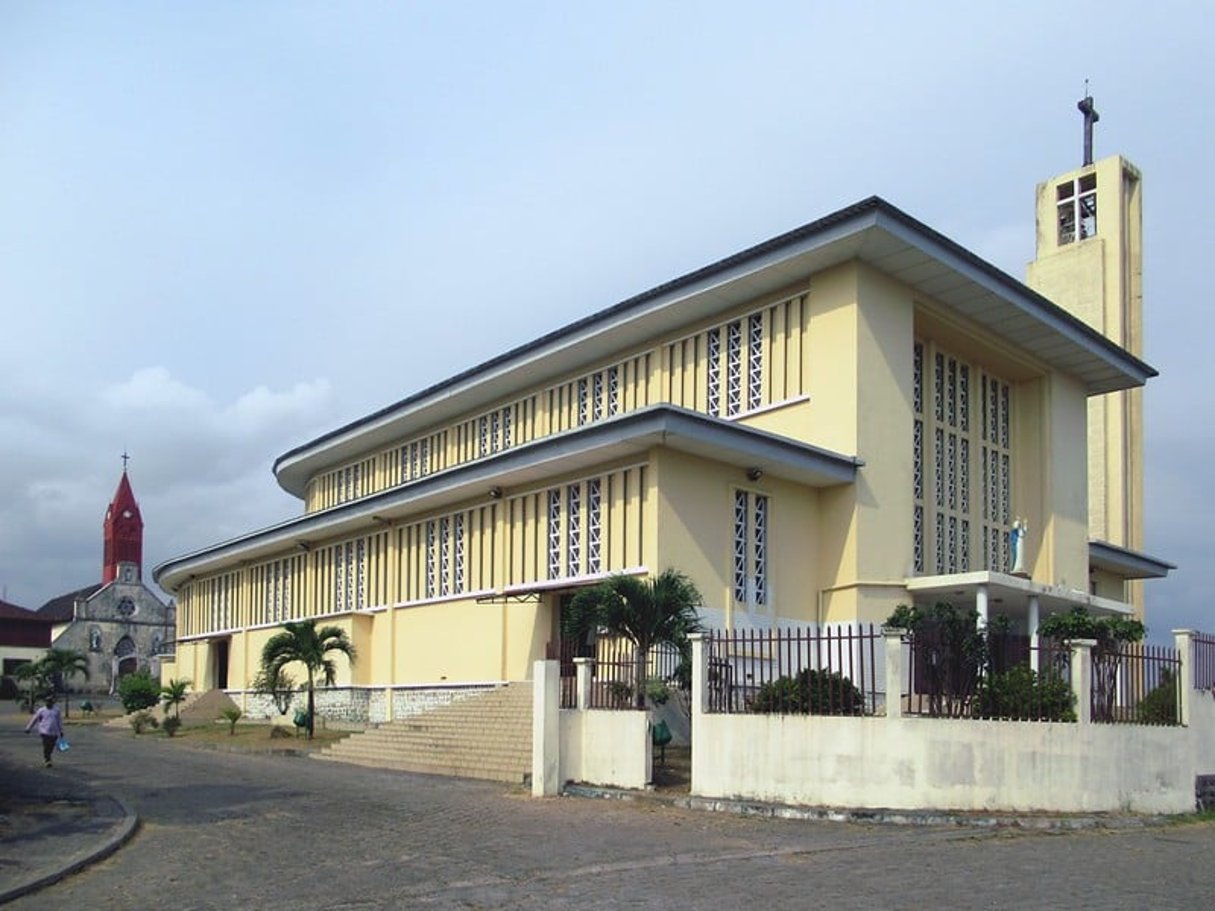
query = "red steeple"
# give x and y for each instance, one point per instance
(123, 531)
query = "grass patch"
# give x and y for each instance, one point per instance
(254, 738)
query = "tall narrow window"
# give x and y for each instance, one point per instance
(1076, 205)
(733, 368)
(597, 397)
(594, 520)
(574, 518)
(713, 345)
(613, 391)
(430, 559)
(584, 403)
(554, 534)
(750, 549)
(444, 556)
(458, 547)
(755, 361)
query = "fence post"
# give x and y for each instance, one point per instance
(894, 671)
(700, 677)
(1185, 673)
(546, 729)
(1082, 677)
(582, 678)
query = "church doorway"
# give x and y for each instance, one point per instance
(219, 666)
(125, 660)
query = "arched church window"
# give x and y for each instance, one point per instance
(125, 647)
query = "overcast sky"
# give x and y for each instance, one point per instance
(226, 227)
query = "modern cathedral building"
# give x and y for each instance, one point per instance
(851, 416)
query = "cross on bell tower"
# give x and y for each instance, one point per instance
(1091, 116)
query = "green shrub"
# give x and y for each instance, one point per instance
(171, 724)
(620, 693)
(144, 719)
(812, 692)
(1160, 705)
(138, 691)
(231, 715)
(1020, 694)
(656, 691)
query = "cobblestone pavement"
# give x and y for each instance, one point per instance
(232, 831)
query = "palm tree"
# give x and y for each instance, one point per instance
(62, 664)
(35, 674)
(646, 612)
(173, 694)
(302, 641)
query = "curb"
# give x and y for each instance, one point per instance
(764, 810)
(119, 835)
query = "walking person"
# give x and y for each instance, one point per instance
(50, 726)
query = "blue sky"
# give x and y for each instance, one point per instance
(226, 227)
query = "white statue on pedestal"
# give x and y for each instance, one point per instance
(1016, 546)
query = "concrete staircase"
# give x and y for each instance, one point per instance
(485, 736)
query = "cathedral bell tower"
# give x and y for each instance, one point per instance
(123, 556)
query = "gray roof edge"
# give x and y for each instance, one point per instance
(1129, 561)
(834, 220)
(1000, 281)
(662, 419)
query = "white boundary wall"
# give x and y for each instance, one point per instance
(950, 764)
(593, 746)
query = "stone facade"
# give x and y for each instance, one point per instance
(121, 627)
(359, 705)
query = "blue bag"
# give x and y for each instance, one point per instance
(63, 745)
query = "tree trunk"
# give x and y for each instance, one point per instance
(643, 653)
(310, 704)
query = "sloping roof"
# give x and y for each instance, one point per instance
(871, 231)
(617, 438)
(59, 609)
(1127, 563)
(13, 612)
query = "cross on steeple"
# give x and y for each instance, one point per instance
(125, 458)
(1090, 117)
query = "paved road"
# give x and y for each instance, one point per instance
(238, 831)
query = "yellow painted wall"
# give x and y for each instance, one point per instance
(695, 515)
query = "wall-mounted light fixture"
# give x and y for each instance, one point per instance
(754, 473)
(495, 493)
(385, 522)
(303, 545)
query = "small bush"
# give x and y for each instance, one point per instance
(812, 692)
(657, 692)
(231, 715)
(1021, 695)
(621, 693)
(1160, 705)
(142, 720)
(138, 691)
(171, 724)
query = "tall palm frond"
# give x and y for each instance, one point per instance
(304, 642)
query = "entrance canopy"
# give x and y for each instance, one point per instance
(1002, 595)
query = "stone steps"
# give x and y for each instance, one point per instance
(487, 736)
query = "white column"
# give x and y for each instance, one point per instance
(546, 729)
(582, 676)
(1185, 674)
(1034, 620)
(1082, 678)
(700, 679)
(981, 604)
(894, 673)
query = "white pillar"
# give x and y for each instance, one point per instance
(894, 673)
(981, 604)
(582, 677)
(1185, 673)
(1034, 622)
(700, 680)
(1082, 677)
(546, 729)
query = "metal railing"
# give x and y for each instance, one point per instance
(793, 671)
(1204, 661)
(614, 670)
(1136, 684)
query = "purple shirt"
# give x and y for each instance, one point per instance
(48, 722)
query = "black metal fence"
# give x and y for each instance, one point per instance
(1136, 684)
(1204, 661)
(794, 671)
(616, 673)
